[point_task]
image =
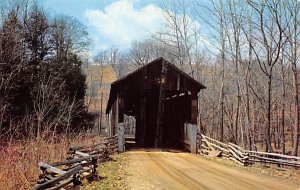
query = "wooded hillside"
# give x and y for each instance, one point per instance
(246, 53)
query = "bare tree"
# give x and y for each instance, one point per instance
(69, 36)
(293, 33)
(270, 41)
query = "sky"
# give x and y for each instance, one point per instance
(112, 22)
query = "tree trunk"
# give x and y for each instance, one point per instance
(295, 86)
(100, 116)
(222, 114)
(248, 125)
(269, 116)
(253, 129)
(297, 116)
(282, 131)
(223, 71)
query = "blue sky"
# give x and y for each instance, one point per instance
(118, 23)
(77, 8)
(112, 22)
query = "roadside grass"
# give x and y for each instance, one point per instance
(112, 175)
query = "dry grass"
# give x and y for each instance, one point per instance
(112, 174)
(19, 160)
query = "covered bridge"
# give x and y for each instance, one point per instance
(162, 98)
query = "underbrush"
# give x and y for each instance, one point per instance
(19, 160)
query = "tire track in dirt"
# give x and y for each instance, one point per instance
(175, 173)
(232, 178)
(209, 174)
(169, 170)
(212, 176)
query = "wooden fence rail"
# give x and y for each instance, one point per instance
(81, 163)
(210, 146)
(274, 158)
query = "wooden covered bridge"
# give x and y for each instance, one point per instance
(164, 101)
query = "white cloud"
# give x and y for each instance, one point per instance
(120, 23)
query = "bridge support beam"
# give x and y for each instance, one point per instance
(121, 137)
(190, 137)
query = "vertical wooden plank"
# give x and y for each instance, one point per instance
(194, 108)
(116, 116)
(113, 119)
(160, 111)
(143, 118)
(108, 116)
(138, 129)
(120, 109)
(178, 81)
(143, 107)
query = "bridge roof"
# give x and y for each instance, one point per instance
(150, 77)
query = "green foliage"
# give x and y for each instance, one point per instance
(42, 86)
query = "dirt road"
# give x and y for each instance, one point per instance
(177, 170)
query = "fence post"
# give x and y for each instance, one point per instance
(199, 141)
(76, 182)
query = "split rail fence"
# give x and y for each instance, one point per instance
(210, 146)
(81, 163)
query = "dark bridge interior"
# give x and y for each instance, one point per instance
(161, 98)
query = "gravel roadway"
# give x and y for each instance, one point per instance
(148, 169)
